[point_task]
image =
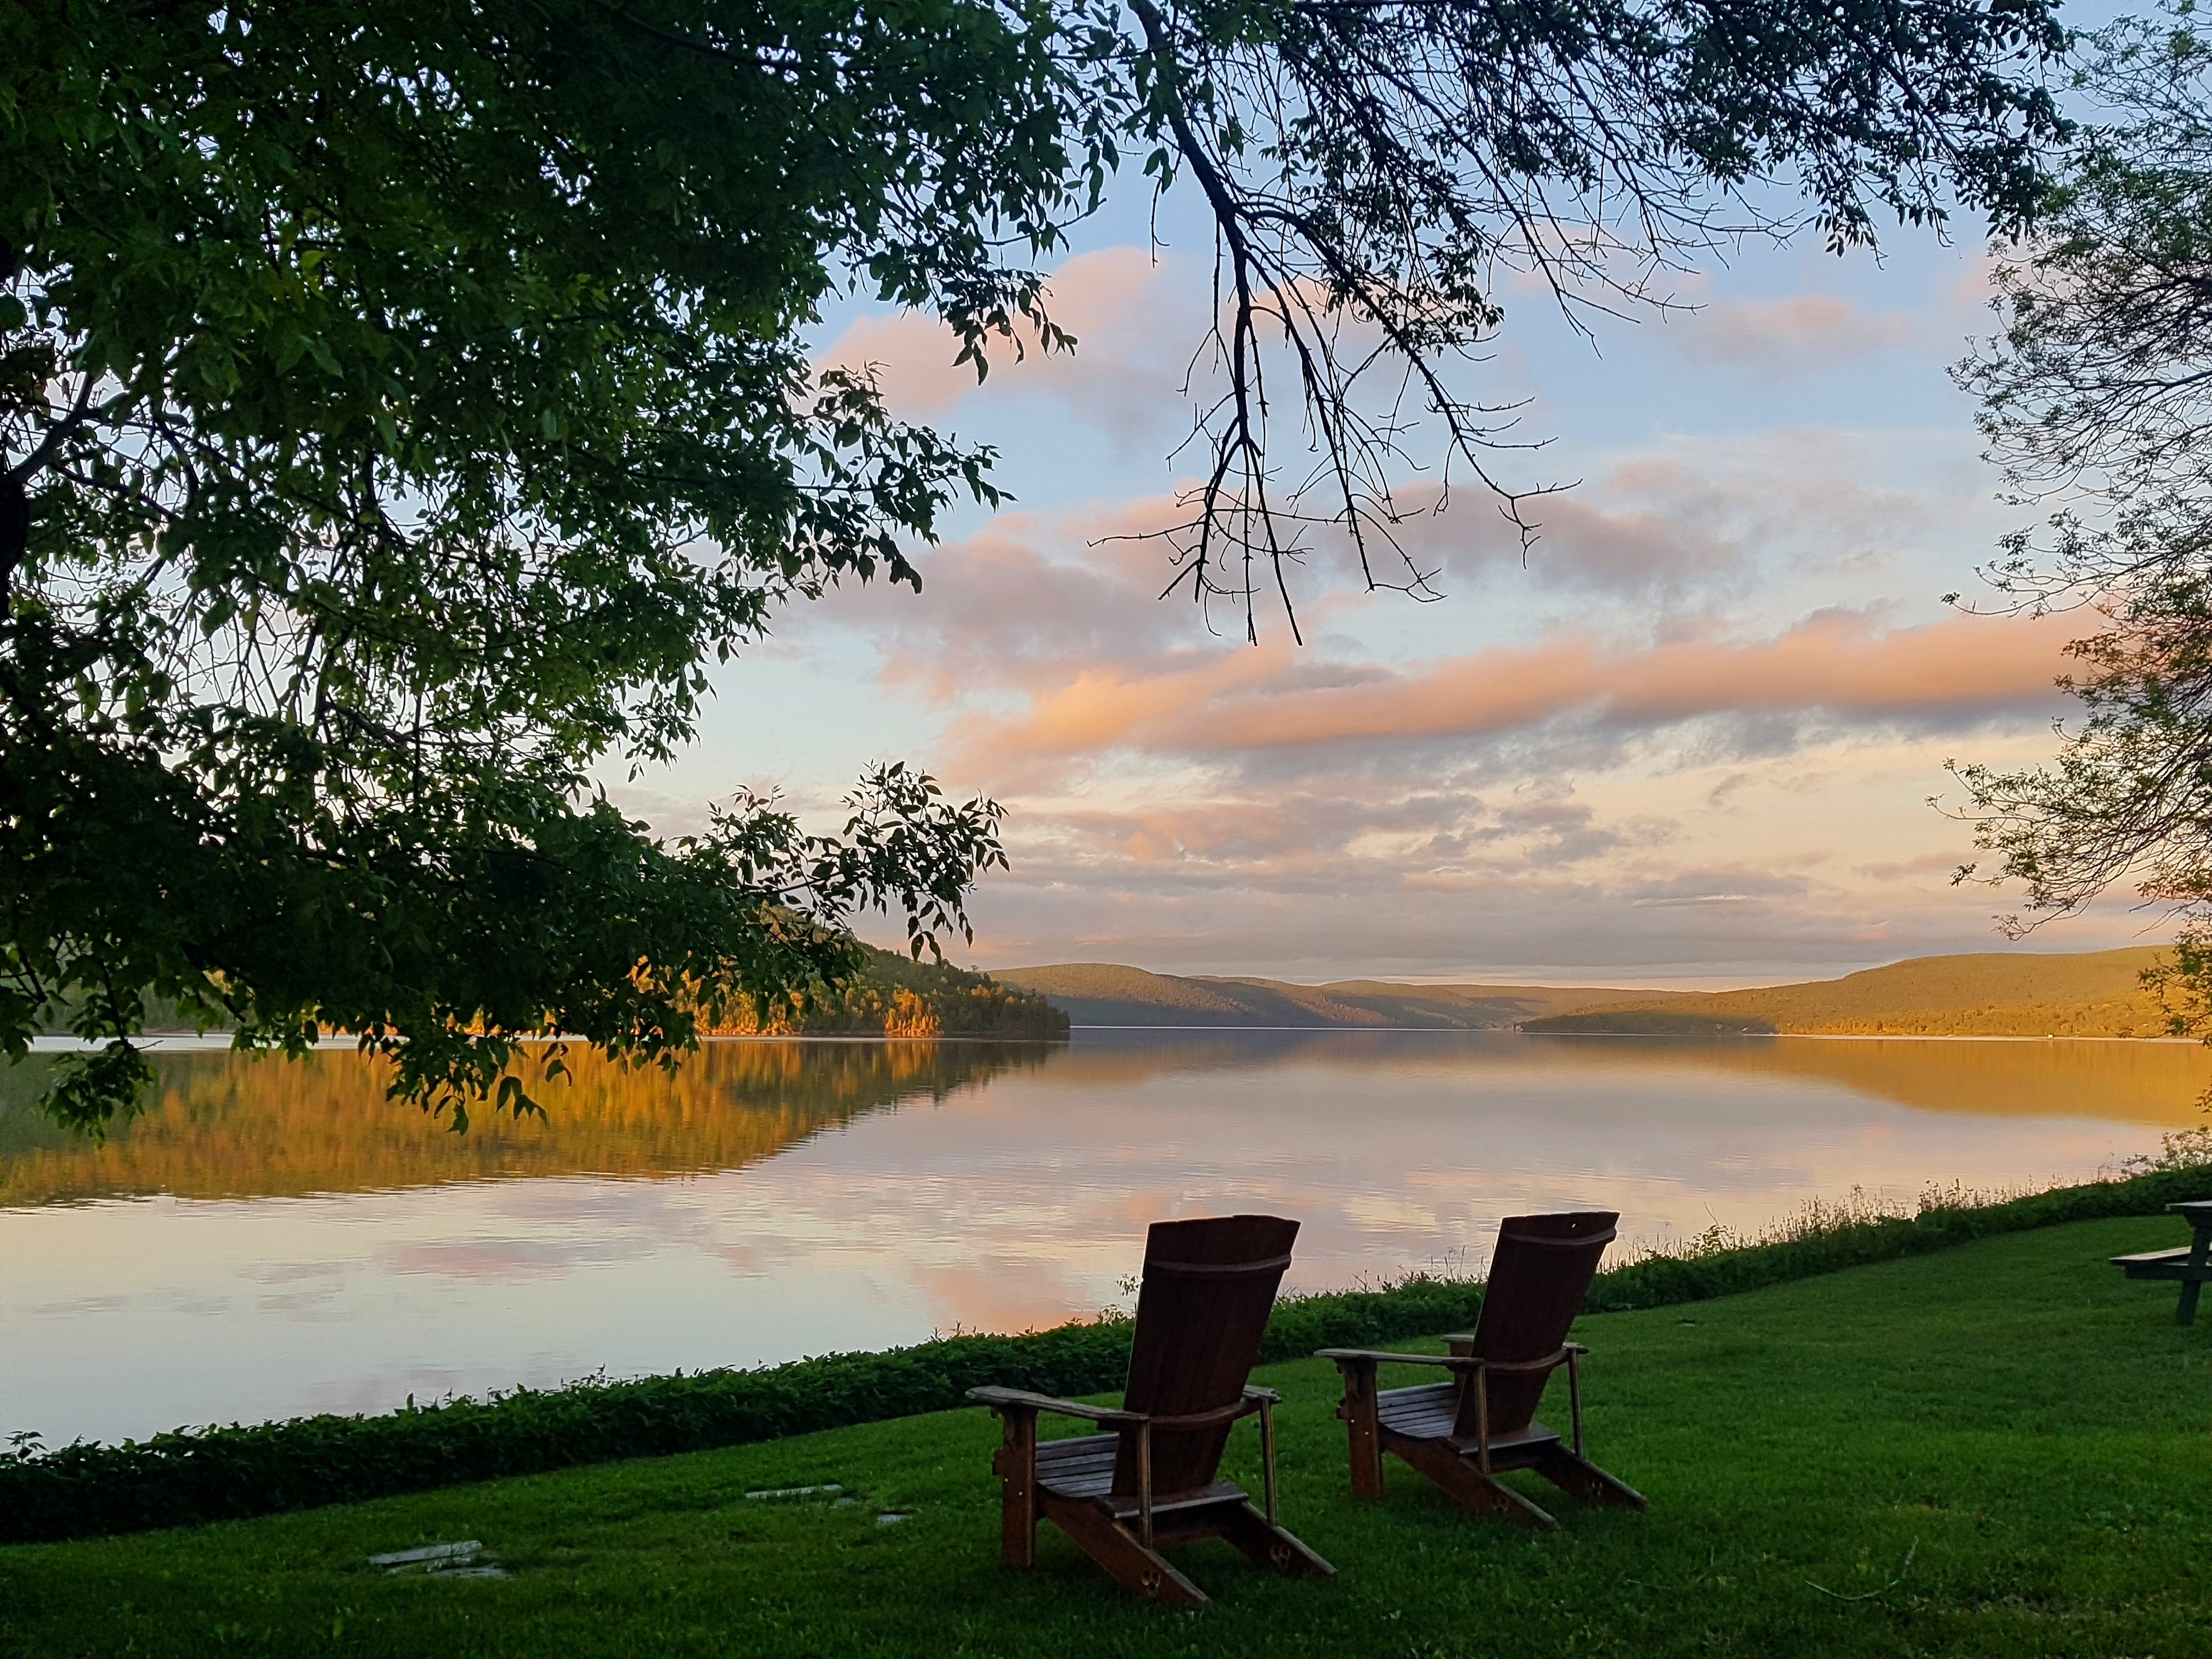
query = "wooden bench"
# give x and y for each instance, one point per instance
(2191, 1263)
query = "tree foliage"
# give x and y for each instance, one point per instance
(403, 407)
(1378, 169)
(409, 406)
(2097, 402)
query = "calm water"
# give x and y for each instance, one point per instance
(273, 1238)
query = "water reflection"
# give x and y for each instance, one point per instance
(225, 1124)
(2144, 1081)
(275, 1238)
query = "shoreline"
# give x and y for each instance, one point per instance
(193, 1475)
(212, 1041)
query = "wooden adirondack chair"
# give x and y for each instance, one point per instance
(1463, 1433)
(1153, 1479)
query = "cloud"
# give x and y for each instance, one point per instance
(1921, 865)
(1801, 335)
(1591, 539)
(1678, 523)
(1022, 599)
(1068, 602)
(913, 357)
(1835, 662)
(1692, 734)
(1661, 746)
(1329, 886)
(1131, 329)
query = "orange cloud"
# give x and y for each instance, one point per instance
(1102, 706)
(1836, 662)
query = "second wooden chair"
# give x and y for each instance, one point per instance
(1464, 1433)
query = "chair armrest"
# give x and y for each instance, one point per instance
(1372, 1356)
(1550, 1362)
(1253, 1400)
(999, 1399)
(1453, 1362)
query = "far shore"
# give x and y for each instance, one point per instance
(195, 1042)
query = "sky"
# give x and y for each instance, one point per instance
(1691, 739)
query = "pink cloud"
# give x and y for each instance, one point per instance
(1836, 662)
(1102, 705)
(913, 357)
(1029, 599)
(1110, 299)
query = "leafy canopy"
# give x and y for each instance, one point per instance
(2097, 401)
(402, 407)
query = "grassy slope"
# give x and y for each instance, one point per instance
(1107, 993)
(1998, 1449)
(2092, 993)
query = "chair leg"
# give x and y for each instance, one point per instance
(1361, 1426)
(1015, 1464)
(1586, 1480)
(1448, 1469)
(1115, 1547)
(1270, 1545)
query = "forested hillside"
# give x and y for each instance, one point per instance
(2093, 994)
(1108, 993)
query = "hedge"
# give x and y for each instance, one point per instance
(226, 1473)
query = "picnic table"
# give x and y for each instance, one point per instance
(2191, 1263)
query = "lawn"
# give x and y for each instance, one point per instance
(1998, 1449)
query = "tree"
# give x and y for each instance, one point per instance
(1375, 167)
(402, 406)
(2097, 401)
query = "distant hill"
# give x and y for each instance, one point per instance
(1647, 1022)
(1107, 993)
(2092, 993)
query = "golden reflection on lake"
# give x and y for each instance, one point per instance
(2152, 1083)
(226, 1125)
(273, 1238)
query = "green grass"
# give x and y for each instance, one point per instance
(1997, 1449)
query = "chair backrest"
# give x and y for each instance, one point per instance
(1209, 1286)
(1538, 1278)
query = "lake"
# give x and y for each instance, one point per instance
(271, 1238)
